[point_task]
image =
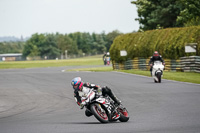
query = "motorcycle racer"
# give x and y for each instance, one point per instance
(81, 89)
(155, 57)
(106, 58)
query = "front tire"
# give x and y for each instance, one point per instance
(99, 113)
(124, 117)
(159, 77)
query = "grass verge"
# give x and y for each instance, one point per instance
(95, 69)
(177, 76)
(94, 60)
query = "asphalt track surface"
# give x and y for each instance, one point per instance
(40, 100)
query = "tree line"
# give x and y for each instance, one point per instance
(11, 47)
(51, 46)
(157, 14)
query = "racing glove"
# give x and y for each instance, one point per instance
(82, 106)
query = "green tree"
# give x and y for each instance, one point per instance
(99, 44)
(193, 22)
(77, 38)
(38, 41)
(11, 47)
(83, 41)
(110, 37)
(34, 51)
(50, 48)
(190, 12)
(43, 45)
(86, 42)
(2, 48)
(64, 43)
(156, 13)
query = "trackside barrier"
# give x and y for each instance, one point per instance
(185, 64)
(190, 64)
(128, 65)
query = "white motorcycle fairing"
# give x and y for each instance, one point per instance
(157, 71)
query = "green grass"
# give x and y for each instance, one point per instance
(177, 76)
(94, 60)
(183, 76)
(95, 69)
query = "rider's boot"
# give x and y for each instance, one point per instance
(115, 116)
(116, 100)
(88, 113)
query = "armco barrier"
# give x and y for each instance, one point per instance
(185, 64)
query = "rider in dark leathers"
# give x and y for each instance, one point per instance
(106, 57)
(155, 57)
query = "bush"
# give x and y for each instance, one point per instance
(170, 43)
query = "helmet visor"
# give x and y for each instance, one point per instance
(156, 54)
(75, 87)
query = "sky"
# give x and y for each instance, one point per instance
(26, 17)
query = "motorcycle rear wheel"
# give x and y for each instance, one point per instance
(99, 113)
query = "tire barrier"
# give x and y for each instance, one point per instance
(185, 64)
(128, 64)
(190, 64)
(142, 64)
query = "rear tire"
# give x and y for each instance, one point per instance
(99, 114)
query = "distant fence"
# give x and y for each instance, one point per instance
(184, 64)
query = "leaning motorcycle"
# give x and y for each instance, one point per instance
(103, 108)
(157, 71)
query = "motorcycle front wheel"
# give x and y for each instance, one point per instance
(124, 117)
(99, 113)
(159, 77)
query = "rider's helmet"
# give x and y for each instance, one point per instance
(77, 83)
(156, 55)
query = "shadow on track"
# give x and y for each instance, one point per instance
(93, 123)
